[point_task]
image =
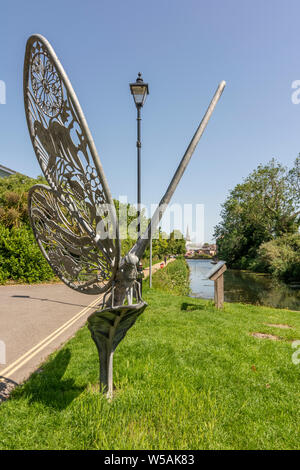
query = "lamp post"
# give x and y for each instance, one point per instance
(139, 91)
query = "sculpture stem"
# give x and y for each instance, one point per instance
(106, 354)
(106, 369)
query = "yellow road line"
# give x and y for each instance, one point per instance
(12, 368)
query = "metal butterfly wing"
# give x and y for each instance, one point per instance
(74, 219)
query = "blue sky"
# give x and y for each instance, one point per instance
(184, 49)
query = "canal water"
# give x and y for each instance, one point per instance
(244, 287)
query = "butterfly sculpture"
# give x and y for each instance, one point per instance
(74, 219)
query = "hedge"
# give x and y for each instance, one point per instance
(20, 257)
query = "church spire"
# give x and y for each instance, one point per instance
(187, 237)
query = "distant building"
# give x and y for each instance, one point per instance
(187, 239)
(6, 171)
(208, 250)
(190, 246)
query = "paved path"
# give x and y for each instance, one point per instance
(34, 321)
(156, 267)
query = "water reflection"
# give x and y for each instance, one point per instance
(244, 287)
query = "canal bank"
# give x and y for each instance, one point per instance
(244, 287)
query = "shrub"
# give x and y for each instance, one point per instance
(13, 199)
(174, 278)
(21, 258)
(281, 257)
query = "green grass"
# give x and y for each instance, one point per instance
(184, 379)
(174, 278)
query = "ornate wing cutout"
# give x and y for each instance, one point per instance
(68, 158)
(69, 250)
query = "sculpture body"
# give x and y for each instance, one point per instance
(74, 219)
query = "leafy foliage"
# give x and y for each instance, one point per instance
(166, 245)
(262, 208)
(281, 257)
(174, 278)
(20, 257)
(13, 199)
(127, 216)
(162, 243)
(199, 256)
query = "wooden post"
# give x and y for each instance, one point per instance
(219, 291)
(150, 263)
(217, 275)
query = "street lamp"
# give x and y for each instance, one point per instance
(139, 90)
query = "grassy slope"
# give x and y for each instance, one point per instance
(174, 278)
(184, 380)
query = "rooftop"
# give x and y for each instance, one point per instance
(4, 171)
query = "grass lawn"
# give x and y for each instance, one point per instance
(187, 377)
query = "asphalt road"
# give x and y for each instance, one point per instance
(34, 321)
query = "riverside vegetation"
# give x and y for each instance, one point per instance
(260, 221)
(186, 377)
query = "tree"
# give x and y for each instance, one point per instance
(294, 184)
(127, 217)
(265, 206)
(166, 245)
(13, 199)
(176, 243)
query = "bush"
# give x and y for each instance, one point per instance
(21, 258)
(281, 257)
(13, 199)
(174, 278)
